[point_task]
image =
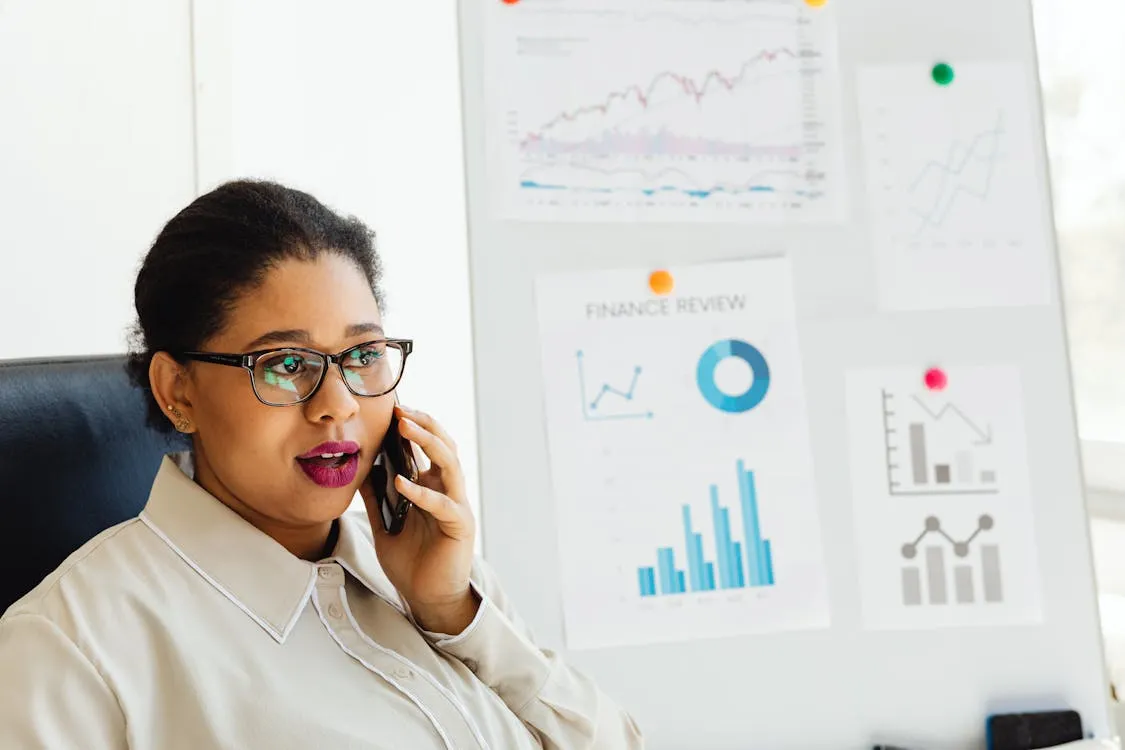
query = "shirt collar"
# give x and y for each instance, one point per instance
(262, 578)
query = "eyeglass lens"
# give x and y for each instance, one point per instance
(287, 376)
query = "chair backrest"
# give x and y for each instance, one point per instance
(75, 458)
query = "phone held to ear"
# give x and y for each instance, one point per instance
(395, 457)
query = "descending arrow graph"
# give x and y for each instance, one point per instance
(936, 450)
(985, 433)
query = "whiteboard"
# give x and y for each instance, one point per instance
(907, 219)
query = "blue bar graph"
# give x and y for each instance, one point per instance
(754, 568)
(694, 543)
(769, 561)
(668, 579)
(753, 550)
(722, 539)
(739, 579)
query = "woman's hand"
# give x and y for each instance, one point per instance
(431, 560)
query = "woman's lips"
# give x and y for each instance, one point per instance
(331, 476)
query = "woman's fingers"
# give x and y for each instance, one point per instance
(428, 423)
(447, 512)
(438, 452)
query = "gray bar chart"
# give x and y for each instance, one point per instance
(911, 587)
(941, 473)
(935, 575)
(990, 556)
(945, 452)
(970, 563)
(963, 583)
(918, 453)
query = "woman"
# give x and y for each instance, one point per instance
(243, 608)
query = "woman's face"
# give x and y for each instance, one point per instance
(248, 450)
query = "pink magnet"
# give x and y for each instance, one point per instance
(936, 379)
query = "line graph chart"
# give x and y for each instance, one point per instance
(636, 112)
(974, 581)
(620, 404)
(664, 86)
(956, 197)
(967, 170)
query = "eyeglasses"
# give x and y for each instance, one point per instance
(285, 377)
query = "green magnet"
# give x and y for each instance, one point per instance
(943, 74)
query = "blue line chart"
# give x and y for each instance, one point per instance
(592, 408)
(956, 174)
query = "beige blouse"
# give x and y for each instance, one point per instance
(186, 627)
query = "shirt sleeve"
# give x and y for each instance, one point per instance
(51, 696)
(563, 706)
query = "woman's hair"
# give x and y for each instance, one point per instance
(217, 249)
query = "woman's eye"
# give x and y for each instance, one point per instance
(287, 365)
(365, 357)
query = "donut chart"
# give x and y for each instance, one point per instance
(748, 353)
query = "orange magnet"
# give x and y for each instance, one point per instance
(661, 282)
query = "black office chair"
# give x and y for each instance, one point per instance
(75, 458)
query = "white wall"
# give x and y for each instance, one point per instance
(95, 153)
(104, 136)
(358, 103)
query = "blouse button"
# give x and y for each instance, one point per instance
(334, 611)
(325, 572)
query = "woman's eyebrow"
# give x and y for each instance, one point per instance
(301, 336)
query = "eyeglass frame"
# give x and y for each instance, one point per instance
(248, 360)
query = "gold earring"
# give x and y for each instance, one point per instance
(182, 422)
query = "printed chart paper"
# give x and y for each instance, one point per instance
(943, 512)
(680, 455)
(955, 187)
(663, 110)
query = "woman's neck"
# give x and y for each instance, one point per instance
(308, 542)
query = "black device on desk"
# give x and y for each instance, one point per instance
(1035, 730)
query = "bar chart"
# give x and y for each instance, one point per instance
(942, 493)
(936, 450)
(934, 572)
(738, 565)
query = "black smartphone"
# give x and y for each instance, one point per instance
(395, 457)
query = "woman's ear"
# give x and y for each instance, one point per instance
(169, 380)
